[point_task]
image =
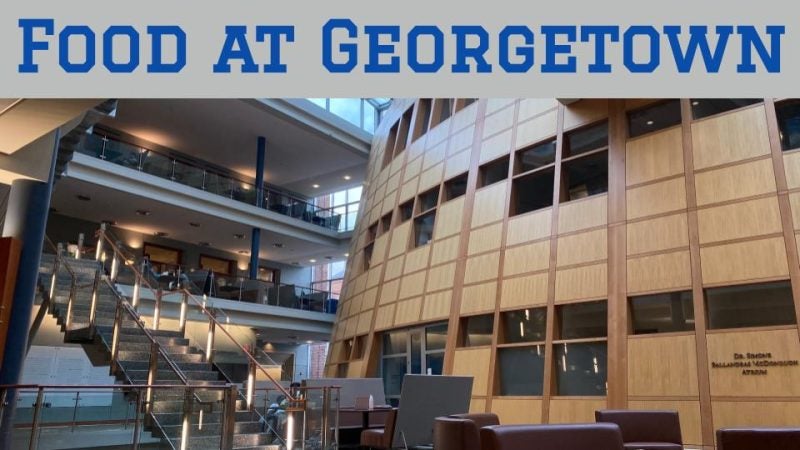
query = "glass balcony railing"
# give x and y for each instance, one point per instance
(193, 175)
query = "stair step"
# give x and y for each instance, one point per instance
(176, 418)
(211, 429)
(144, 365)
(240, 441)
(145, 356)
(165, 375)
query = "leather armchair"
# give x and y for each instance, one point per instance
(380, 438)
(590, 436)
(461, 431)
(645, 430)
(758, 439)
(480, 419)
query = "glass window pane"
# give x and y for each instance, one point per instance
(321, 102)
(525, 325)
(493, 172)
(337, 269)
(393, 371)
(348, 109)
(536, 156)
(662, 313)
(587, 139)
(583, 320)
(532, 192)
(654, 117)
(477, 330)
(339, 198)
(436, 337)
(455, 187)
(521, 370)
(750, 305)
(423, 228)
(789, 123)
(434, 362)
(704, 107)
(369, 118)
(586, 176)
(395, 342)
(428, 200)
(354, 194)
(581, 368)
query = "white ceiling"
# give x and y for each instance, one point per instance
(110, 204)
(225, 132)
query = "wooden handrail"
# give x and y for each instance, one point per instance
(115, 386)
(103, 234)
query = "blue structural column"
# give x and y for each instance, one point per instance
(26, 219)
(255, 241)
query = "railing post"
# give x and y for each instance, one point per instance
(114, 267)
(73, 291)
(37, 412)
(184, 310)
(186, 423)
(93, 305)
(115, 335)
(101, 235)
(251, 384)
(157, 309)
(212, 329)
(152, 371)
(137, 288)
(137, 424)
(228, 418)
(53, 280)
(326, 406)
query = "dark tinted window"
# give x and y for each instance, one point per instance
(583, 320)
(789, 123)
(423, 228)
(436, 337)
(477, 330)
(662, 313)
(521, 370)
(395, 342)
(587, 176)
(493, 172)
(455, 187)
(704, 107)
(537, 156)
(750, 305)
(581, 368)
(406, 210)
(524, 325)
(586, 139)
(532, 192)
(654, 117)
(428, 200)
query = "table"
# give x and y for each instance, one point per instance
(365, 412)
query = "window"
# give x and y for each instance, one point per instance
(455, 187)
(423, 118)
(423, 228)
(477, 330)
(406, 210)
(750, 305)
(162, 258)
(535, 157)
(397, 138)
(532, 192)
(493, 172)
(704, 107)
(415, 351)
(462, 103)
(585, 176)
(442, 110)
(583, 320)
(654, 117)
(343, 206)
(521, 370)
(368, 255)
(581, 368)
(789, 123)
(372, 232)
(219, 266)
(386, 223)
(428, 200)
(662, 313)
(585, 140)
(525, 325)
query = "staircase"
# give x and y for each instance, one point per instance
(134, 355)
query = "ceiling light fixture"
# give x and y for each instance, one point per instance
(312, 260)
(695, 103)
(315, 186)
(649, 122)
(347, 177)
(347, 255)
(143, 212)
(329, 257)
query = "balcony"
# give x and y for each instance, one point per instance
(194, 175)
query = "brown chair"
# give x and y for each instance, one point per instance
(588, 436)
(645, 430)
(758, 439)
(380, 438)
(461, 431)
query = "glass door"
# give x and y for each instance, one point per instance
(414, 351)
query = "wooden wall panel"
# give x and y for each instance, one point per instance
(434, 155)
(431, 178)
(400, 239)
(733, 182)
(475, 363)
(526, 258)
(465, 117)
(485, 239)
(384, 317)
(364, 322)
(498, 121)
(408, 311)
(731, 414)
(394, 268)
(482, 268)
(536, 129)
(448, 218)
(529, 227)
(751, 260)
(778, 382)
(529, 107)
(688, 414)
(417, 259)
(389, 292)
(739, 220)
(517, 411)
(661, 233)
(582, 282)
(667, 271)
(457, 164)
(662, 366)
(413, 168)
(524, 291)
(477, 405)
(379, 248)
(657, 198)
(437, 306)
(490, 204)
(479, 298)
(445, 250)
(654, 156)
(496, 104)
(791, 165)
(496, 146)
(583, 214)
(461, 140)
(585, 247)
(412, 285)
(373, 277)
(369, 299)
(584, 112)
(730, 137)
(567, 410)
(441, 277)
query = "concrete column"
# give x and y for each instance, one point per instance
(255, 241)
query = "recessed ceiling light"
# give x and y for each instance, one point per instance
(329, 257)
(347, 255)
(194, 224)
(315, 186)
(278, 245)
(160, 234)
(309, 342)
(142, 212)
(347, 177)
(312, 260)
(238, 236)
(649, 122)
(83, 198)
(695, 103)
